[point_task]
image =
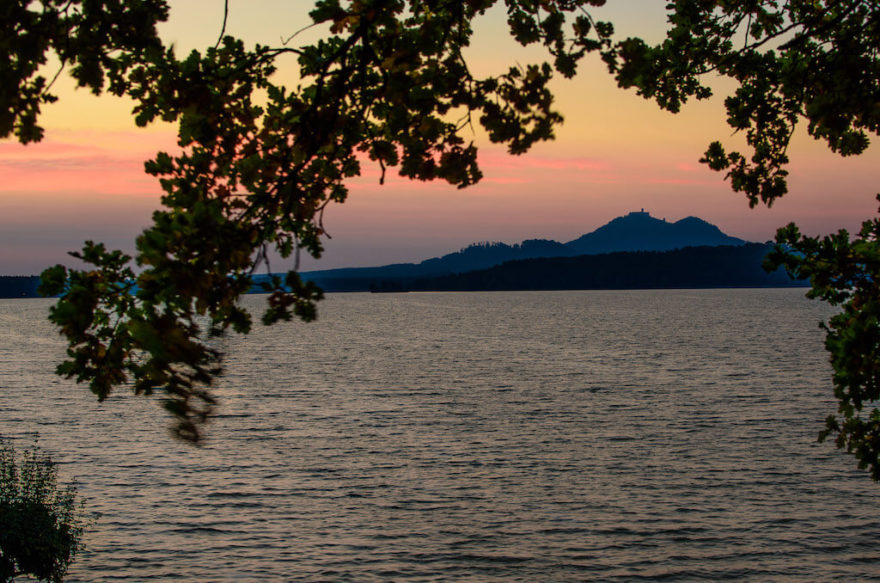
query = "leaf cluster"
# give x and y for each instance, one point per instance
(843, 271)
(42, 523)
(97, 41)
(810, 60)
(389, 85)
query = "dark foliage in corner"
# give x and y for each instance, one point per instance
(42, 524)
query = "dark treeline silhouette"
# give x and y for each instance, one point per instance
(635, 231)
(691, 267)
(474, 256)
(19, 286)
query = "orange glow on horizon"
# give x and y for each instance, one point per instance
(616, 152)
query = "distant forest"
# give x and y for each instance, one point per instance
(691, 267)
(19, 286)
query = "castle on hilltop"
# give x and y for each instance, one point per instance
(641, 213)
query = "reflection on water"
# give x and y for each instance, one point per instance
(559, 436)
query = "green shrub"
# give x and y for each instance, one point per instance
(41, 525)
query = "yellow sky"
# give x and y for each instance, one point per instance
(615, 153)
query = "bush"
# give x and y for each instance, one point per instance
(41, 526)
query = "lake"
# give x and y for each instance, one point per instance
(522, 436)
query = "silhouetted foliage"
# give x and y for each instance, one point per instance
(845, 271)
(815, 62)
(41, 525)
(807, 60)
(97, 42)
(388, 83)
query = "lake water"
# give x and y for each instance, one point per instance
(549, 436)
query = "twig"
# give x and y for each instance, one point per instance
(225, 18)
(294, 35)
(55, 78)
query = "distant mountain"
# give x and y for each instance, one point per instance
(489, 254)
(639, 231)
(636, 231)
(690, 267)
(474, 256)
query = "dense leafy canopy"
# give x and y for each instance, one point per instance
(389, 85)
(97, 41)
(797, 60)
(42, 524)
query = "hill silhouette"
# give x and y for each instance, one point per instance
(690, 267)
(636, 231)
(639, 231)
(627, 252)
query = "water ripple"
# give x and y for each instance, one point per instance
(571, 436)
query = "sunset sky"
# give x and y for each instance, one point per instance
(615, 153)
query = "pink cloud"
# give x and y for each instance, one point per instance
(670, 180)
(82, 161)
(48, 148)
(504, 180)
(495, 158)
